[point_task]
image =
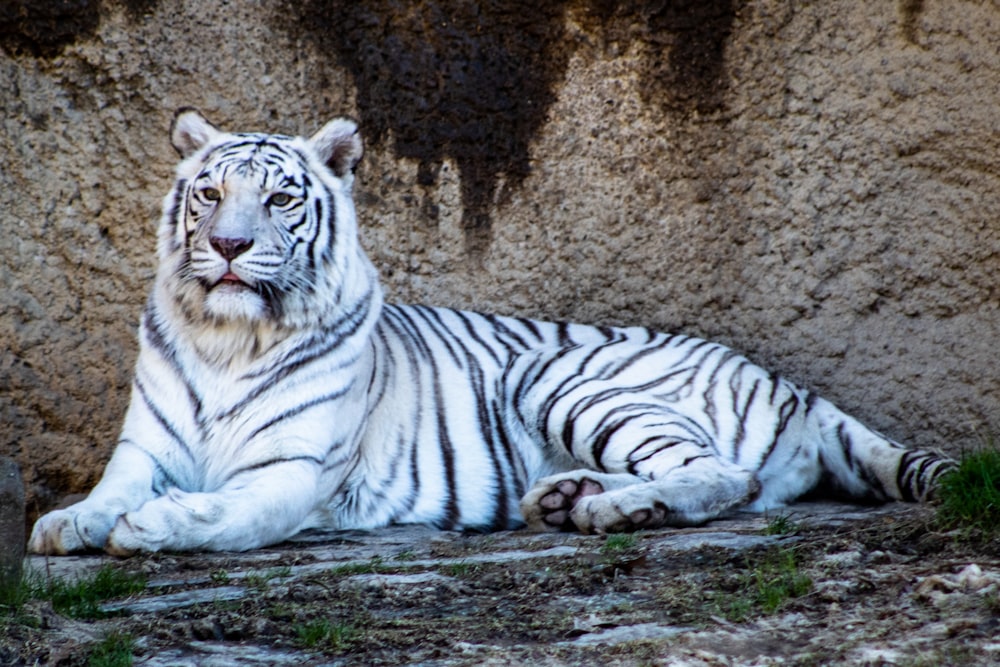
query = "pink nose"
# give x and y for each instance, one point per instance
(230, 249)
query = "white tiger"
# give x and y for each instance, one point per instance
(274, 392)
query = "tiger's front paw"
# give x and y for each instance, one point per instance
(134, 532)
(70, 530)
(550, 504)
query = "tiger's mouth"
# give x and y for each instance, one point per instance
(231, 280)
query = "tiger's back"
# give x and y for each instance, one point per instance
(275, 392)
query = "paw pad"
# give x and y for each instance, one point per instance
(558, 502)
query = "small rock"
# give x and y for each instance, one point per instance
(12, 537)
(207, 629)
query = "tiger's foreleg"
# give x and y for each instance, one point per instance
(128, 483)
(255, 509)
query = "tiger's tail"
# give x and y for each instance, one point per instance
(865, 465)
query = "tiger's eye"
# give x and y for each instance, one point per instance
(279, 199)
(211, 194)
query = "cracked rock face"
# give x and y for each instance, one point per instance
(815, 186)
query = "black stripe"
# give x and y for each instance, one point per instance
(605, 431)
(532, 328)
(545, 412)
(313, 348)
(450, 501)
(160, 418)
(297, 410)
(846, 446)
(161, 474)
(174, 212)
(474, 335)
(667, 443)
(635, 357)
(331, 228)
(905, 475)
(486, 426)
(588, 402)
(710, 409)
(269, 463)
(735, 385)
(295, 226)
(157, 340)
(562, 335)
(502, 329)
(785, 413)
(433, 321)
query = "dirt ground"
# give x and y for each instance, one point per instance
(821, 584)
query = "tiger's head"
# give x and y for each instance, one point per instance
(260, 229)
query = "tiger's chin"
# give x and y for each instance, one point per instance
(233, 302)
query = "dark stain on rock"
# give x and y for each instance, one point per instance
(910, 11)
(467, 80)
(139, 9)
(473, 81)
(685, 42)
(41, 28)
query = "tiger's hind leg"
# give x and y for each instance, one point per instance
(639, 447)
(595, 502)
(635, 463)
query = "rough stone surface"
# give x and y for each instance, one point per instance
(813, 183)
(880, 586)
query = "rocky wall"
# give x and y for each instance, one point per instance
(814, 183)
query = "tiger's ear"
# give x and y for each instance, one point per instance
(338, 144)
(190, 131)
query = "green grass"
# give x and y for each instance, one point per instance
(969, 496)
(373, 566)
(778, 582)
(115, 650)
(781, 524)
(219, 576)
(766, 587)
(323, 634)
(460, 569)
(80, 598)
(616, 542)
(260, 580)
(14, 593)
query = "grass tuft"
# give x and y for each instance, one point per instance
(781, 524)
(82, 597)
(115, 650)
(14, 592)
(766, 586)
(373, 566)
(322, 634)
(616, 542)
(969, 495)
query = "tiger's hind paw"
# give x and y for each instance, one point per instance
(550, 503)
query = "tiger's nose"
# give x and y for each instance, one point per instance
(229, 248)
